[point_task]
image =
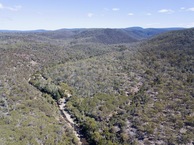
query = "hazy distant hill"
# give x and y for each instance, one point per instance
(141, 33)
(107, 36)
(101, 35)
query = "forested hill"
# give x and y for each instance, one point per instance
(134, 93)
(106, 35)
(179, 38)
(100, 35)
(122, 93)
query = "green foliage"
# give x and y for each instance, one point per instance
(47, 86)
(121, 94)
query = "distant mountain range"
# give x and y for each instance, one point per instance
(39, 30)
(101, 35)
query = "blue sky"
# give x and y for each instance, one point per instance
(56, 14)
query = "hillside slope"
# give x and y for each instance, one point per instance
(123, 93)
(137, 93)
(106, 35)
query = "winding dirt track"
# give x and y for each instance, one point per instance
(70, 121)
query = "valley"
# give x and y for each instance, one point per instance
(97, 86)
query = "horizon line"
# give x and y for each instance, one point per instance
(20, 30)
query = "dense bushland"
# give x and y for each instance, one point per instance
(126, 93)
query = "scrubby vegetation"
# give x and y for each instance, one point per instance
(125, 93)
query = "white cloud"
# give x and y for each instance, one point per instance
(130, 14)
(14, 8)
(1, 6)
(190, 25)
(182, 8)
(90, 15)
(190, 9)
(115, 9)
(167, 11)
(148, 14)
